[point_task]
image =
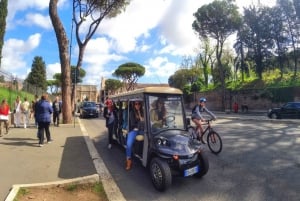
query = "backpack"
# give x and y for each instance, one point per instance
(195, 107)
(57, 106)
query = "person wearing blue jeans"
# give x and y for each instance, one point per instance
(136, 118)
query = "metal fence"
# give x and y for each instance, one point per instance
(11, 86)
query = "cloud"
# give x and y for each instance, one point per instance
(16, 6)
(135, 23)
(15, 50)
(52, 69)
(36, 19)
(158, 69)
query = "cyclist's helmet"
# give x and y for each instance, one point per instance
(201, 100)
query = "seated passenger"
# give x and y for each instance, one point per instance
(158, 114)
(136, 126)
(125, 118)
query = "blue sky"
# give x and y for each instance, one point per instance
(154, 33)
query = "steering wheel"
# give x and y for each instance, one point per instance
(170, 120)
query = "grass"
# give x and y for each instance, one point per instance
(96, 188)
(22, 192)
(11, 95)
(270, 79)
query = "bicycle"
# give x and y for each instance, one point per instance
(209, 137)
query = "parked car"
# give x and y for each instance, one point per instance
(290, 110)
(89, 109)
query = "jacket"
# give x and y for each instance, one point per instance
(198, 111)
(109, 120)
(43, 111)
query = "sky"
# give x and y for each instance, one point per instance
(157, 34)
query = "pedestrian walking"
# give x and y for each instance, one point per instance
(110, 116)
(17, 112)
(4, 116)
(43, 116)
(25, 111)
(56, 105)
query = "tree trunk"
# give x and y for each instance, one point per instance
(63, 45)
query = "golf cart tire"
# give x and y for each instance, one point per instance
(203, 164)
(160, 174)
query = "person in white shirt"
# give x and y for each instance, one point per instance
(18, 112)
(25, 110)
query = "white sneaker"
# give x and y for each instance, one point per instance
(109, 146)
(40, 145)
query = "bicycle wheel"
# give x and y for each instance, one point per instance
(204, 138)
(214, 142)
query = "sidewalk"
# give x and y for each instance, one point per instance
(24, 162)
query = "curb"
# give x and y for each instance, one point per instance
(111, 189)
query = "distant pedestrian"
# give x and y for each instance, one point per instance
(110, 116)
(43, 116)
(235, 107)
(56, 105)
(25, 111)
(17, 112)
(4, 116)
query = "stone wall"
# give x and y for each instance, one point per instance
(86, 91)
(252, 98)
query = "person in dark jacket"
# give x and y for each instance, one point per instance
(43, 111)
(136, 127)
(110, 116)
(56, 106)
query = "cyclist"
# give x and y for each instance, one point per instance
(197, 112)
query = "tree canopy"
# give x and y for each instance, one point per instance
(112, 85)
(218, 20)
(37, 76)
(129, 72)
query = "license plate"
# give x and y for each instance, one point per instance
(191, 171)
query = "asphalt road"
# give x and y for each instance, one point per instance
(260, 161)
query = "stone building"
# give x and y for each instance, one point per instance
(87, 92)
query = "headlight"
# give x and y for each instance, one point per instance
(162, 142)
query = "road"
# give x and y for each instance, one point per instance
(260, 161)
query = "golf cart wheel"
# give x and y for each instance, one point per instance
(160, 174)
(203, 165)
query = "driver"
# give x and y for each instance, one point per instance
(158, 113)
